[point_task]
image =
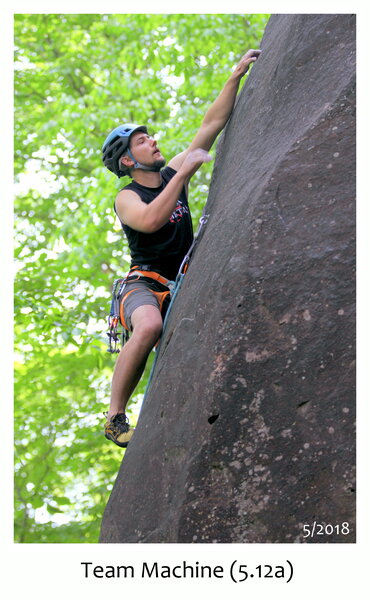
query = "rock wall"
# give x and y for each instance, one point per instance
(248, 429)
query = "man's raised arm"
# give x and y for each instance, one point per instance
(219, 112)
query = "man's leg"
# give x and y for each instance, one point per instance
(147, 327)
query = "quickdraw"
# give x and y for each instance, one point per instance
(185, 263)
(113, 319)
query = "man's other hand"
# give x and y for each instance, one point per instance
(250, 57)
(194, 159)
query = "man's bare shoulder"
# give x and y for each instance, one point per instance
(125, 195)
(126, 198)
(131, 209)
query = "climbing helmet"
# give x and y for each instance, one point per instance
(116, 144)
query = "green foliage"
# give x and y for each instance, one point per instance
(76, 78)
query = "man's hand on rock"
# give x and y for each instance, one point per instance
(194, 159)
(250, 57)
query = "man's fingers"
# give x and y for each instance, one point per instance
(255, 53)
(194, 160)
(206, 157)
(202, 155)
(251, 56)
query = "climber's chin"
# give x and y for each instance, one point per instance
(158, 164)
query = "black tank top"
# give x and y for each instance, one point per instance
(164, 249)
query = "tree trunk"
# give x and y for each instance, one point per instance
(247, 433)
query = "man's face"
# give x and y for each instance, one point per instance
(145, 150)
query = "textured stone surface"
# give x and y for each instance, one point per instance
(262, 334)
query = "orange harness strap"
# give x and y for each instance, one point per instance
(151, 274)
(161, 296)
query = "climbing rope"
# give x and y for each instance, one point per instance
(178, 282)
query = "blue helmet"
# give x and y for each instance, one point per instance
(116, 144)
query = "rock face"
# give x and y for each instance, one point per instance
(247, 433)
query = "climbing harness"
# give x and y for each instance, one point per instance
(116, 314)
(144, 273)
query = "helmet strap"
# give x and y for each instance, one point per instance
(138, 165)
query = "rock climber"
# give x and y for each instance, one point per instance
(154, 214)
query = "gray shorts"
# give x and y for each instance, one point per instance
(142, 293)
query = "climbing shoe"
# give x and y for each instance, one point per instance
(118, 430)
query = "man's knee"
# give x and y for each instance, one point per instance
(148, 330)
(147, 324)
